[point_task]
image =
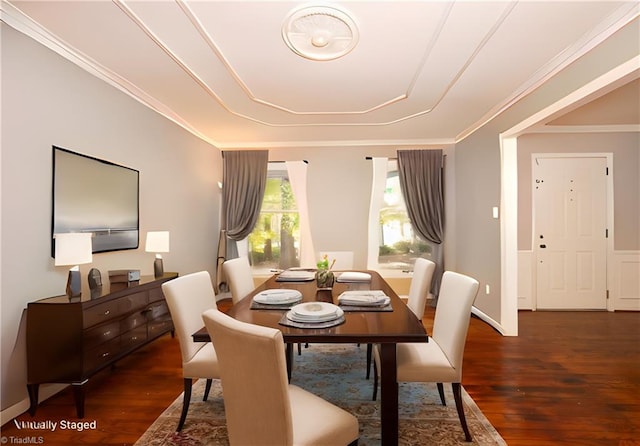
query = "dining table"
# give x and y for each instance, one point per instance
(385, 326)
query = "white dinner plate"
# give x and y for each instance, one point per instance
(354, 276)
(296, 276)
(314, 312)
(277, 296)
(364, 298)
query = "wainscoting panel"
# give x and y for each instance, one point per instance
(623, 281)
(624, 288)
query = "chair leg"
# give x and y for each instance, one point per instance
(299, 349)
(441, 393)
(369, 353)
(375, 381)
(457, 395)
(185, 403)
(207, 389)
(288, 352)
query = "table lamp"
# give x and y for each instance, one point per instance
(73, 249)
(157, 241)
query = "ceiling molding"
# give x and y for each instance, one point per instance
(621, 73)
(343, 143)
(340, 124)
(24, 24)
(624, 128)
(617, 21)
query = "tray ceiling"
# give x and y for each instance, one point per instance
(418, 72)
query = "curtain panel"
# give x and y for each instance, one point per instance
(244, 179)
(298, 178)
(421, 182)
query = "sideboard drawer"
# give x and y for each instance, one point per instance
(133, 338)
(100, 334)
(101, 355)
(136, 320)
(157, 311)
(159, 326)
(155, 295)
(133, 302)
(100, 313)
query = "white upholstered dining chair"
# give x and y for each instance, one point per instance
(240, 277)
(418, 292)
(187, 298)
(440, 359)
(261, 407)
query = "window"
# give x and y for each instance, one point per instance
(397, 244)
(275, 240)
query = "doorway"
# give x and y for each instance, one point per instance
(570, 230)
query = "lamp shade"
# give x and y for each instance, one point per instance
(73, 248)
(157, 241)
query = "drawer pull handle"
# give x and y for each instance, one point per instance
(106, 333)
(134, 338)
(107, 312)
(104, 355)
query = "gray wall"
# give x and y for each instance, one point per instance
(47, 101)
(478, 165)
(477, 235)
(339, 195)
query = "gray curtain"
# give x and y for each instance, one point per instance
(244, 178)
(421, 181)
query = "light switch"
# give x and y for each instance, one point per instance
(495, 212)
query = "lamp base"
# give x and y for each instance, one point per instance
(74, 284)
(158, 269)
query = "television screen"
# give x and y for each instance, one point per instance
(97, 196)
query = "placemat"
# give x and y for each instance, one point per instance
(289, 323)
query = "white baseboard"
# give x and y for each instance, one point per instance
(11, 412)
(489, 320)
(45, 391)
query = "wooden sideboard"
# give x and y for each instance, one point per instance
(71, 339)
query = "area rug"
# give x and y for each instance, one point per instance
(336, 372)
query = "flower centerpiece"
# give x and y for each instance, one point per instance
(324, 275)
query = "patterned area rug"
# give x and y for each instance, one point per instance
(336, 372)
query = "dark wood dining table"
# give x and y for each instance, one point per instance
(386, 328)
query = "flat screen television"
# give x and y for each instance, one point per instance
(97, 196)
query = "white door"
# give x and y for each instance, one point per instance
(570, 209)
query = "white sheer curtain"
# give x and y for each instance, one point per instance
(297, 171)
(377, 194)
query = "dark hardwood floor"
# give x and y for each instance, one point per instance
(569, 378)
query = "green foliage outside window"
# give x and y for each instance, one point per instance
(275, 238)
(399, 246)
